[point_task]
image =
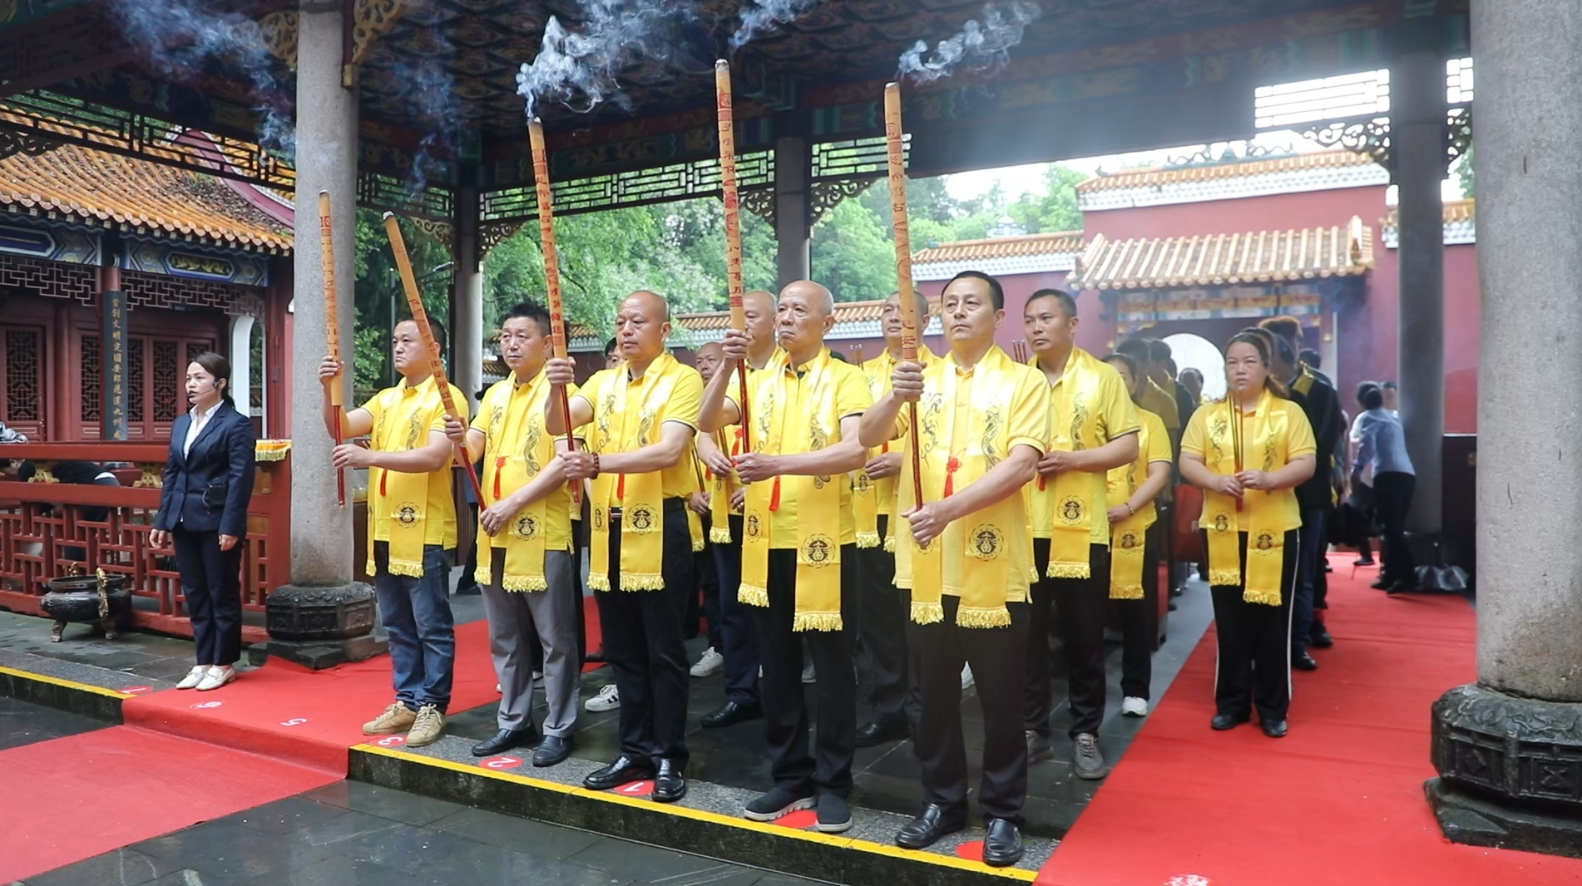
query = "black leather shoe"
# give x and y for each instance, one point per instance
(1303, 662)
(669, 785)
(925, 830)
(1275, 728)
(1363, 561)
(505, 740)
(731, 713)
(1222, 722)
(596, 655)
(1003, 845)
(553, 749)
(1382, 584)
(1319, 637)
(881, 731)
(624, 770)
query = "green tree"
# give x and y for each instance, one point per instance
(853, 253)
(1465, 173)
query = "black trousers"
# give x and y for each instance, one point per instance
(709, 580)
(1080, 607)
(1137, 629)
(1255, 642)
(644, 647)
(1392, 496)
(739, 644)
(996, 656)
(885, 612)
(211, 582)
(828, 768)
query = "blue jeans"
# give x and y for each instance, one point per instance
(1314, 544)
(416, 615)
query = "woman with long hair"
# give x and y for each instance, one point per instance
(1248, 453)
(203, 513)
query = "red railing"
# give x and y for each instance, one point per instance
(39, 521)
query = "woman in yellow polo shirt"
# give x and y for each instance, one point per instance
(1248, 452)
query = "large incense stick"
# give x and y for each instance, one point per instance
(733, 232)
(414, 300)
(903, 258)
(557, 307)
(332, 332)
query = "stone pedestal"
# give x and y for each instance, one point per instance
(1509, 749)
(319, 627)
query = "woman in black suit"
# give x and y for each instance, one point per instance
(203, 512)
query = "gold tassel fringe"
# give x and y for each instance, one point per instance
(528, 583)
(816, 621)
(720, 535)
(598, 581)
(867, 539)
(1268, 598)
(927, 613)
(969, 617)
(1129, 592)
(642, 581)
(889, 544)
(698, 544)
(481, 575)
(751, 595)
(1224, 577)
(1069, 570)
(408, 569)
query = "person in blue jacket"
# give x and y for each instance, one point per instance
(203, 513)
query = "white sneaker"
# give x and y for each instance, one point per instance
(217, 677)
(1132, 706)
(538, 678)
(808, 674)
(608, 699)
(194, 677)
(497, 687)
(967, 680)
(712, 662)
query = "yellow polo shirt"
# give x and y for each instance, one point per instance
(511, 416)
(1105, 412)
(1295, 442)
(1153, 445)
(403, 417)
(1027, 394)
(788, 432)
(1158, 401)
(682, 405)
(880, 371)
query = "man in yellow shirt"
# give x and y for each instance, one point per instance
(965, 552)
(799, 542)
(1134, 571)
(642, 416)
(883, 607)
(526, 568)
(1095, 430)
(716, 450)
(1154, 398)
(411, 528)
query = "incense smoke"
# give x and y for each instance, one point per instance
(428, 92)
(978, 46)
(766, 15)
(181, 36)
(578, 68)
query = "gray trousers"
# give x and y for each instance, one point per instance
(511, 615)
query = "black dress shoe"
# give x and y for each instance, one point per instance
(731, 713)
(1363, 561)
(624, 770)
(596, 655)
(881, 731)
(925, 830)
(1399, 587)
(1275, 728)
(1003, 845)
(1303, 662)
(553, 749)
(505, 740)
(1319, 637)
(1382, 584)
(1222, 722)
(669, 785)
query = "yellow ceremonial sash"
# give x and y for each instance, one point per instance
(506, 470)
(1071, 527)
(402, 427)
(622, 428)
(958, 457)
(818, 588)
(1265, 538)
(720, 488)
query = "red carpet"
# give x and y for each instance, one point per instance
(306, 717)
(1338, 801)
(72, 798)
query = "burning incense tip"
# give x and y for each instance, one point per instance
(721, 64)
(388, 216)
(324, 193)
